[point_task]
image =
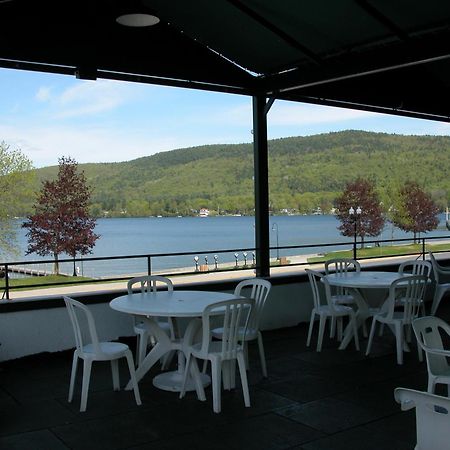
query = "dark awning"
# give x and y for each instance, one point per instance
(381, 55)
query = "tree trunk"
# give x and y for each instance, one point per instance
(56, 264)
(362, 241)
(415, 237)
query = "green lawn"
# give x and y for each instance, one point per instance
(383, 251)
(48, 279)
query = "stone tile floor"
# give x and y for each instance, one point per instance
(311, 401)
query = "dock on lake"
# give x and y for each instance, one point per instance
(32, 271)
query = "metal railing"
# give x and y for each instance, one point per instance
(248, 261)
(15, 266)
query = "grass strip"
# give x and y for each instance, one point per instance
(382, 251)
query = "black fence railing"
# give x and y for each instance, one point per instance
(209, 261)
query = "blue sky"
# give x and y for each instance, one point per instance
(48, 116)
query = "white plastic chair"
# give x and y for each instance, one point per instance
(432, 417)
(416, 267)
(340, 295)
(223, 353)
(428, 334)
(440, 273)
(411, 291)
(141, 328)
(327, 309)
(95, 351)
(257, 289)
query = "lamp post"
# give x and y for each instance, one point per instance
(74, 267)
(196, 263)
(275, 228)
(355, 218)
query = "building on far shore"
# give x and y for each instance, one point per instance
(204, 212)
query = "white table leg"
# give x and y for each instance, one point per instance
(168, 381)
(163, 345)
(172, 381)
(361, 315)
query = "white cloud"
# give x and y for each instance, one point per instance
(440, 128)
(43, 94)
(86, 98)
(45, 145)
(284, 113)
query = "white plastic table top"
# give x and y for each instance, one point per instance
(168, 304)
(363, 280)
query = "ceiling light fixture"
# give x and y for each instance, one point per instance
(137, 20)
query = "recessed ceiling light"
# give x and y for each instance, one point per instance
(137, 20)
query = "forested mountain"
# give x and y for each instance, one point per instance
(304, 173)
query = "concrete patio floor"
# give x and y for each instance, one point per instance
(329, 400)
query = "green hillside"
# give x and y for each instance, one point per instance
(305, 173)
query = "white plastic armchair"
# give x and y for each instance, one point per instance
(327, 309)
(432, 417)
(429, 332)
(442, 278)
(222, 354)
(149, 283)
(400, 315)
(257, 289)
(94, 350)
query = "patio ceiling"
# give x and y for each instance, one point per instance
(380, 55)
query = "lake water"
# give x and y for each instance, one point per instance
(139, 236)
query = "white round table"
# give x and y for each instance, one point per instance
(175, 304)
(363, 280)
(358, 281)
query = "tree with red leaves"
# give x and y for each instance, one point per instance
(61, 222)
(360, 193)
(416, 212)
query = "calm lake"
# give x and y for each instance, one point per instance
(139, 236)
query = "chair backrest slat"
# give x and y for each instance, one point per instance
(149, 283)
(234, 315)
(411, 290)
(341, 265)
(314, 279)
(75, 308)
(415, 267)
(257, 289)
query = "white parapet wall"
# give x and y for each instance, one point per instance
(33, 331)
(29, 332)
